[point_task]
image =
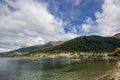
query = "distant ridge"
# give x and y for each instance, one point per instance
(117, 35)
(39, 47)
(34, 48)
(54, 43)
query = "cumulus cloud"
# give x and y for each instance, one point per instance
(109, 19)
(86, 28)
(77, 2)
(28, 22)
(88, 25)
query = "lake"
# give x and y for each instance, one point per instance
(53, 68)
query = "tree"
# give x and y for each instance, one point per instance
(116, 52)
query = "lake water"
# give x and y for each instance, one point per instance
(53, 69)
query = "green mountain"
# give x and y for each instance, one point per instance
(87, 44)
(80, 44)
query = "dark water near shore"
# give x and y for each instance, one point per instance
(53, 69)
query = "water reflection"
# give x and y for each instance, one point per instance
(53, 68)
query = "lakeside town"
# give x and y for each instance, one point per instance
(56, 55)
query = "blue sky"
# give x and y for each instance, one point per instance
(74, 12)
(32, 22)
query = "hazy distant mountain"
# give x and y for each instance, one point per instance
(33, 48)
(39, 47)
(55, 43)
(117, 35)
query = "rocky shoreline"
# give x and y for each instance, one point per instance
(113, 74)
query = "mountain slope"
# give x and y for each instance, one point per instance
(117, 35)
(88, 44)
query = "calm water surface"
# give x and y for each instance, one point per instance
(53, 69)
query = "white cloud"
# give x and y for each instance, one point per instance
(109, 19)
(4, 49)
(29, 24)
(88, 25)
(77, 2)
(86, 28)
